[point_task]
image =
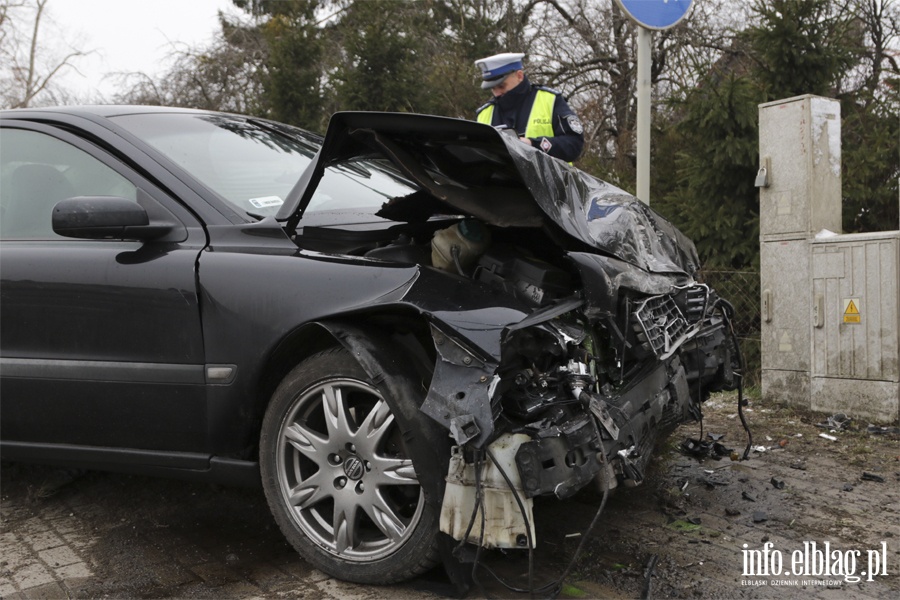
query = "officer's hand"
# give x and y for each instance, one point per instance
(525, 140)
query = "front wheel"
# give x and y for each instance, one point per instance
(340, 478)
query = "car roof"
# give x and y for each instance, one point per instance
(100, 110)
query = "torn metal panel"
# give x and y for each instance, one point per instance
(459, 400)
(577, 336)
(471, 169)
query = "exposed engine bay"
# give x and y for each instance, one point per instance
(602, 344)
(578, 398)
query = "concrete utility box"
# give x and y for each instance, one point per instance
(856, 319)
(830, 308)
(799, 146)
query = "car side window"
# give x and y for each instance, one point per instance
(37, 171)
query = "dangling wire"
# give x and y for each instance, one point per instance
(727, 313)
(557, 587)
(700, 391)
(554, 587)
(475, 505)
(524, 513)
(479, 504)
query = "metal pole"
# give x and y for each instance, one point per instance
(643, 115)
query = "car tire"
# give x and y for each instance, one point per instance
(338, 471)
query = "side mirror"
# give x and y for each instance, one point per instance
(106, 217)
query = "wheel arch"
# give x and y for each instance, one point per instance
(401, 337)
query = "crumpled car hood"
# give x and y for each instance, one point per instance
(464, 167)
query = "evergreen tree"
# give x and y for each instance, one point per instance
(715, 155)
(801, 47)
(293, 81)
(794, 48)
(871, 164)
(383, 66)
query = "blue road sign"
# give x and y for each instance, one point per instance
(656, 14)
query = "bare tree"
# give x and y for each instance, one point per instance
(29, 64)
(227, 74)
(587, 49)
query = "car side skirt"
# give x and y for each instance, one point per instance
(179, 465)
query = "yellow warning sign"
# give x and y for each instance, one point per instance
(852, 312)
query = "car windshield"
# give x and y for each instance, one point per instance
(253, 164)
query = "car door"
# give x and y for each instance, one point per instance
(101, 349)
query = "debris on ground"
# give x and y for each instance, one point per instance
(709, 448)
(836, 422)
(698, 534)
(648, 575)
(872, 477)
(876, 430)
(828, 437)
(777, 483)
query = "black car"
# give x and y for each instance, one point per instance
(405, 331)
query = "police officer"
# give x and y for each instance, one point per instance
(539, 115)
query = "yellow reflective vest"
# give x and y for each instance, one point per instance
(540, 119)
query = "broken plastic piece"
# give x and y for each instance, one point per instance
(464, 428)
(712, 482)
(706, 449)
(876, 430)
(598, 408)
(828, 437)
(836, 422)
(872, 477)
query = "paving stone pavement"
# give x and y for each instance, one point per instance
(69, 534)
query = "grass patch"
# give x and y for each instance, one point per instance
(570, 591)
(682, 525)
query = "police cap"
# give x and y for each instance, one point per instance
(495, 68)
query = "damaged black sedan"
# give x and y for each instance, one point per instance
(406, 330)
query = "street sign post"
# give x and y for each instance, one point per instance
(649, 15)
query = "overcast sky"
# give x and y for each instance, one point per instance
(128, 35)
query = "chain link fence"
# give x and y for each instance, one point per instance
(741, 289)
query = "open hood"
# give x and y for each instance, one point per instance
(467, 168)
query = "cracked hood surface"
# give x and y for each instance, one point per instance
(464, 167)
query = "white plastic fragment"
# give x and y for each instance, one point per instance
(828, 437)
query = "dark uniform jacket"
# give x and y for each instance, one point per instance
(512, 109)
